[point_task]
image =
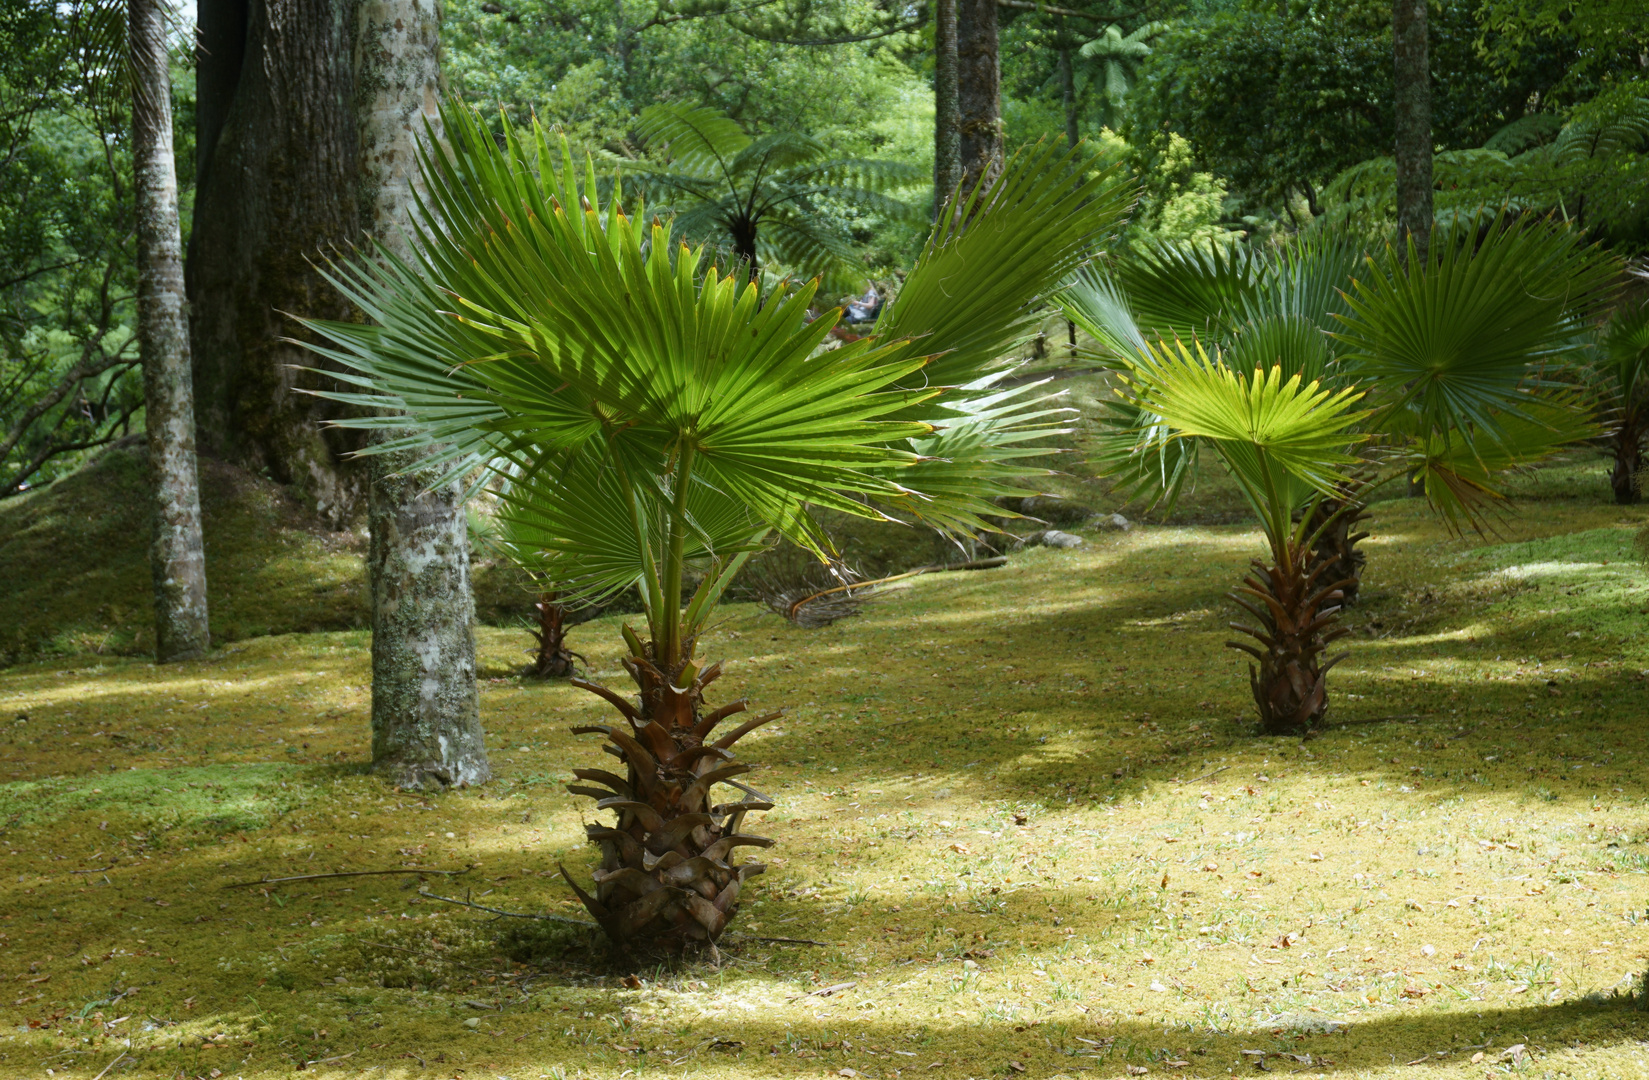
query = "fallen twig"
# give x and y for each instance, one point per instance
(509, 914)
(99, 870)
(824, 991)
(1404, 718)
(110, 1065)
(976, 564)
(341, 873)
(778, 940)
(1206, 775)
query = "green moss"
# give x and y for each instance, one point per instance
(211, 799)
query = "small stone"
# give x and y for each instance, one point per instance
(473, 1022)
(1429, 950)
(1108, 522)
(970, 965)
(1055, 539)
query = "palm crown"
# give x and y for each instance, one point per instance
(651, 415)
(758, 199)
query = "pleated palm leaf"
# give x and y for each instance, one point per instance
(1450, 358)
(759, 199)
(659, 418)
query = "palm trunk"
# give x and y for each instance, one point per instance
(552, 659)
(1625, 477)
(1411, 66)
(947, 120)
(979, 91)
(1294, 612)
(177, 557)
(426, 723)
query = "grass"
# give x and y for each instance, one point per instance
(1022, 807)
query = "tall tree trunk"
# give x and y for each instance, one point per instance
(177, 556)
(1411, 67)
(426, 721)
(979, 91)
(278, 188)
(1067, 89)
(947, 119)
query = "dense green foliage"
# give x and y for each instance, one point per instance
(67, 272)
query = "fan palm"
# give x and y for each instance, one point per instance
(1619, 377)
(657, 417)
(759, 199)
(1447, 356)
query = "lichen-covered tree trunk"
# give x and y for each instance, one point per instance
(277, 190)
(426, 723)
(1411, 67)
(979, 90)
(426, 720)
(177, 556)
(947, 118)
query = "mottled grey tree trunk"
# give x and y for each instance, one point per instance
(979, 90)
(177, 556)
(426, 722)
(947, 119)
(278, 159)
(1411, 67)
(1067, 92)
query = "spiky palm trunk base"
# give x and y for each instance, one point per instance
(552, 659)
(1296, 619)
(1336, 547)
(667, 875)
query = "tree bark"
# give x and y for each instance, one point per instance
(979, 91)
(947, 119)
(1411, 68)
(277, 190)
(1067, 88)
(426, 721)
(177, 556)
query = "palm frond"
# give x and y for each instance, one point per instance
(977, 286)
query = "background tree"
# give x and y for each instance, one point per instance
(978, 90)
(177, 558)
(759, 199)
(426, 720)
(69, 369)
(278, 183)
(1119, 55)
(1411, 71)
(947, 115)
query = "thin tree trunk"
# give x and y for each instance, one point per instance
(979, 91)
(1411, 67)
(947, 119)
(275, 129)
(177, 556)
(1067, 87)
(426, 721)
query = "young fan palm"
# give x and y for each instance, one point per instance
(1619, 377)
(759, 198)
(656, 417)
(1447, 356)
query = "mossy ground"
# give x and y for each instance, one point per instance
(1022, 808)
(74, 570)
